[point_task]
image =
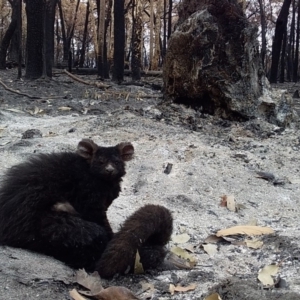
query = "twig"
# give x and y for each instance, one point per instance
(16, 92)
(96, 84)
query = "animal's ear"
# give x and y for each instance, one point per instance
(126, 151)
(86, 148)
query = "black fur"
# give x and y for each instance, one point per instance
(56, 204)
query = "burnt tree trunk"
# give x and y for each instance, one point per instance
(119, 41)
(106, 26)
(282, 59)
(295, 71)
(164, 44)
(9, 34)
(49, 36)
(67, 34)
(280, 29)
(291, 45)
(19, 26)
(136, 40)
(170, 18)
(35, 35)
(263, 32)
(40, 38)
(84, 38)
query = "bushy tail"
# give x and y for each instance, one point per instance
(147, 230)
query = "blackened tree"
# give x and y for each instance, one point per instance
(280, 30)
(40, 38)
(9, 33)
(119, 41)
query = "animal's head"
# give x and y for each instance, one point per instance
(107, 162)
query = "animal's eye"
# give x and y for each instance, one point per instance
(101, 160)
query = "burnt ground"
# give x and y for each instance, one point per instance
(210, 158)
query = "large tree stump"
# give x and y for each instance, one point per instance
(213, 61)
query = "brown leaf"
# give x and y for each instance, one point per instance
(214, 296)
(179, 288)
(231, 204)
(213, 239)
(254, 244)
(181, 238)
(138, 267)
(185, 255)
(76, 296)
(116, 293)
(266, 273)
(210, 249)
(246, 230)
(90, 281)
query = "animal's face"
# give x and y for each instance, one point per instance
(107, 162)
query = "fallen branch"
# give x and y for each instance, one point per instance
(96, 84)
(16, 92)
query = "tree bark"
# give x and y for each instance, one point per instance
(85, 32)
(19, 25)
(164, 47)
(67, 35)
(151, 34)
(282, 59)
(9, 34)
(49, 21)
(291, 45)
(280, 28)
(119, 41)
(136, 40)
(295, 71)
(101, 40)
(170, 18)
(35, 35)
(263, 32)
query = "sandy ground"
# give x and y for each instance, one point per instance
(210, 158)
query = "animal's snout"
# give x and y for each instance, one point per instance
(109, 169)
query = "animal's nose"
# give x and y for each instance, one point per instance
(109, 169)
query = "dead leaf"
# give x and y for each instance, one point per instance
(185, 255)
(246, 230)
(15, 110)
(265, 175)
(231, 204)
(181, 238)
(92, 282)
(147, 289)
(138, 267)
(254, 244)
(294, 180)
(210, 249)
(266, 273)
(116, 293)
(240, 206)
(173, 261)
(147, 286)
(214, 296)
(35, 111)
(213, 239)
(190, 248)
(179, 288)
(76, 296)
(65, 108)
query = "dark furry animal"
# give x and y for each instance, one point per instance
(56, 204)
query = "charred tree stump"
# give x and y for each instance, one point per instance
(213, 63)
